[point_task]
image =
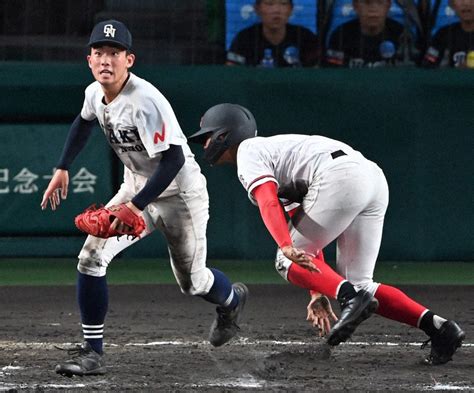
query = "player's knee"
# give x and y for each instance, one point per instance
(92, 266)
(196, 283)
(282, 264)
(369, 286)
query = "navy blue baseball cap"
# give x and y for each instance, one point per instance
(111, 32)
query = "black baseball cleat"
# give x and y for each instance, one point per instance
(444, 343)
(353, 313)
(85, 361)
(225, 326)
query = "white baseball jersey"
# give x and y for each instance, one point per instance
(342, 196)
(140, 124)
(291, 161)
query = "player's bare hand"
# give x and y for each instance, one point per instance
(57, 189)
(300, 257)
(320, 314)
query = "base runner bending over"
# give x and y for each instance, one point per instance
(341, 195)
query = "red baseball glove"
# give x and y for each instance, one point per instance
(97, 221)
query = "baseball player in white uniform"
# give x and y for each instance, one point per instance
(341, 196)
(162, 182)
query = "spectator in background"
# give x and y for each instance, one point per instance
(371, 40)
(281, 43)
(455, 40)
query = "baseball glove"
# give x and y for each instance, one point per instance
(97, 221)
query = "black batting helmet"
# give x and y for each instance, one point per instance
(227, 125)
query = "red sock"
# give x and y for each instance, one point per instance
(327, 282)
(394, 304)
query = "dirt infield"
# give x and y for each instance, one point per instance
(156, 341)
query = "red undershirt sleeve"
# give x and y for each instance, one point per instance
(274, 218)
(272, 213)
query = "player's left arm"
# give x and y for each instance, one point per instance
(171, 162)
(319, 313)
(159, 138)
(274, 218)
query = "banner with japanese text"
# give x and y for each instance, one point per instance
(29, 155)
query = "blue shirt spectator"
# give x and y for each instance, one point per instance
(452, 43)
(290, 45)
(370, 40)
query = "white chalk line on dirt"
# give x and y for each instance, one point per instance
(9, 386)
(444, 387)
(283, 343)
(239, 342)
(246, 381)
(5, 387)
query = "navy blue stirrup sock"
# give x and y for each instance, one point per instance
(221, 292)
(93, 298)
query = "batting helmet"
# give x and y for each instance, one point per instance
(227, 125)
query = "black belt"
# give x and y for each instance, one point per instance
(337, 153)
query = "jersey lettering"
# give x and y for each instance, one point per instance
(124, 149)
(158, 136)
(124, 136)
(112, 138)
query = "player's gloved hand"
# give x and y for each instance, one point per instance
(300, 257)
(116, 220)
(319, 313)
(57, 189)
(120, 226)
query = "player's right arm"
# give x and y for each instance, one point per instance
(59, 183)
(77, 138)
(272, 215)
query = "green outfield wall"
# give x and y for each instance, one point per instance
(416, 124)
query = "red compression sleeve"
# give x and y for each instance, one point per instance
(272, 213)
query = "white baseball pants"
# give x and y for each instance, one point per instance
(182, 219)
(347, 203)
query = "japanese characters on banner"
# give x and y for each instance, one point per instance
(28, 182)
(26, 171)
